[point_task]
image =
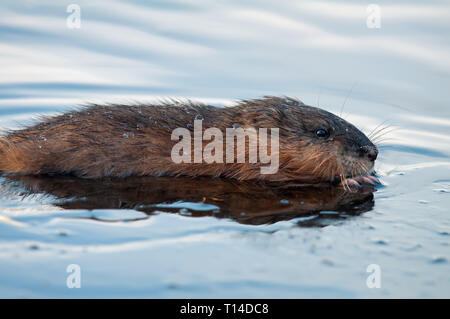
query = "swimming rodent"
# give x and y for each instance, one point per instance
(95, 141)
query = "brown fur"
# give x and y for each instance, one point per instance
(135, 140)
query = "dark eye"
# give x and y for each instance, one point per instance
(322, 133)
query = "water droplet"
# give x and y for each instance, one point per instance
(128, 134)
(291, 102)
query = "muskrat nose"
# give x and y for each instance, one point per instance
(372, 155)
(372, 152)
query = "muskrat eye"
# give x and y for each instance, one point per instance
(322, 133)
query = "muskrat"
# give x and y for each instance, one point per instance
(315, 146)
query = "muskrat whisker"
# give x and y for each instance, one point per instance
(385, 133)
(383, 140)
(318, 97)
(348, 94)
(321, 164)
(353, 173)
(330, 167)
(363, 168)
(370, 135)
(336, 169)
(378, 131)
(344, 183)
(381, 134)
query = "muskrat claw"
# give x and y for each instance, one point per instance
(361, 180)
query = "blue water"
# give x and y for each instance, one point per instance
(219, 52)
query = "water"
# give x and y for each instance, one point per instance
(159, 238)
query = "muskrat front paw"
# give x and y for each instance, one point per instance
(360, 181)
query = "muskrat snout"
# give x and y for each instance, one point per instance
(370, 151)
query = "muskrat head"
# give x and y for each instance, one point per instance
(318, 144)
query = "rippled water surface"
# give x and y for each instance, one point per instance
(159, 237)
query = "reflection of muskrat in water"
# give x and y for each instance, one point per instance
(244, 202)
(135, 140)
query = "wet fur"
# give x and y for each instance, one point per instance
(135, 140)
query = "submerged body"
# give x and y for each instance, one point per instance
(315, 146)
